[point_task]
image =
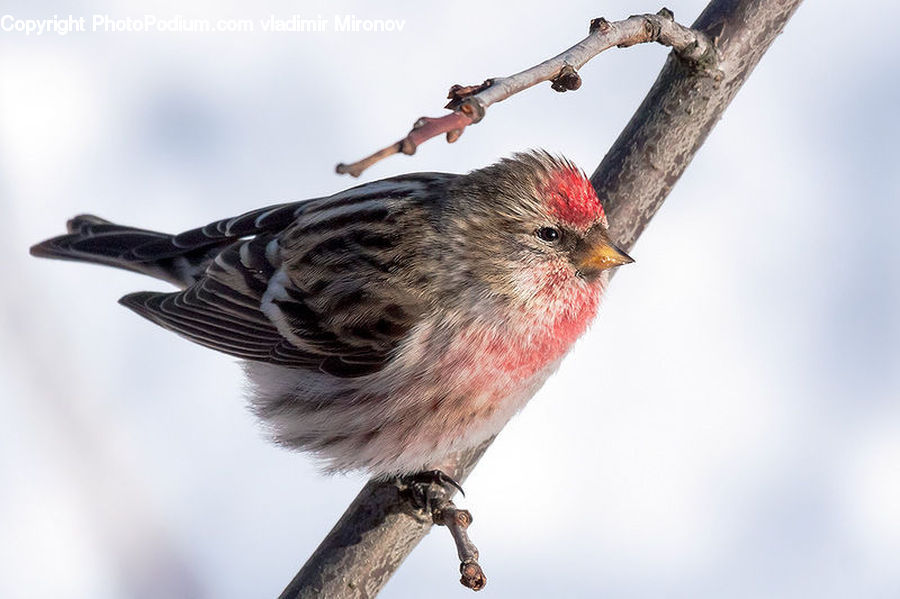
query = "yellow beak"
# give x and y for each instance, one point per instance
(596, 252)
(604, 256)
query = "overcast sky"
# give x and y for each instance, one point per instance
(729, 426)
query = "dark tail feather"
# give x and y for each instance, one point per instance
(98, 241)
(179, 259)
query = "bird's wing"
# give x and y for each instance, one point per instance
(337, 290)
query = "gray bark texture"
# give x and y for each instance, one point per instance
(380, 528)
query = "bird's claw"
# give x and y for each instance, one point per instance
(418, 483)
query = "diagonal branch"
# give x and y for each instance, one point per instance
(380, 528)
(469, 103)
(373, 537)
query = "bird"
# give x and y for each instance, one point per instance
(387, 326)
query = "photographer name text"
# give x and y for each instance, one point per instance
(104, 23)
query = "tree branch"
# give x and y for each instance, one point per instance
(469, 103)
(380, 528)
(373, 537)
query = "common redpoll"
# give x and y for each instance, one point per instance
(386, 326)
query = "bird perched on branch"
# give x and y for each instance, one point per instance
(384, 327)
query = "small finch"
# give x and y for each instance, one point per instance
(386, 326)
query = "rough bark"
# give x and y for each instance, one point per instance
(380, 528)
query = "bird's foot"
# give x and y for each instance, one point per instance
(419, 487)
(438, 477)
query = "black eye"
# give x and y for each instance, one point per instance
(548, 234)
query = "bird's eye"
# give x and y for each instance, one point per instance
(548, 234)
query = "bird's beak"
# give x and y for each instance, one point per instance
(597, 253)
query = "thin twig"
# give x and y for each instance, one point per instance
(424, 129)
(457, 521)
(445, 513)
(469, 103)
(432, 494)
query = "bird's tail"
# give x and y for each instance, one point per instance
(98, 241)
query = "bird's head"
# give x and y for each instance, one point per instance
(532, 223)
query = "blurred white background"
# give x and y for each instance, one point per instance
(729, 427)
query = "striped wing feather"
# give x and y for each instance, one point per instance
(334, 290)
